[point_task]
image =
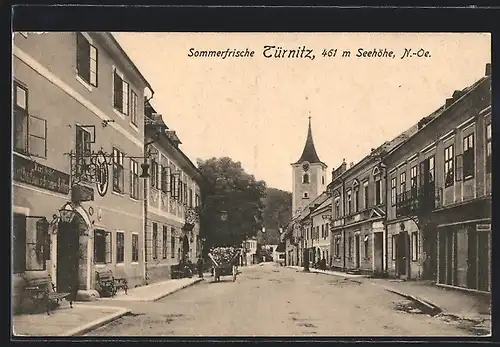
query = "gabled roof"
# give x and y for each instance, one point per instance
(309, 153)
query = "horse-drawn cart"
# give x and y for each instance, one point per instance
(224, 262)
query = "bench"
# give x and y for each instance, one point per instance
(43, 291)
(110, 284)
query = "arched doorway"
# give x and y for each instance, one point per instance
(68, 254)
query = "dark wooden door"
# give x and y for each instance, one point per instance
(472, 258)
(68, 255)
(357, 250)
(442, 256)
(483, 258)
(402, 253)
(378, 244)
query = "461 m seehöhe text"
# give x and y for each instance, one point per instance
(302, 52)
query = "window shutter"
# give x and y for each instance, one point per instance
(108, 247)
(459, 163)
(168, 179)
(83, 57)
(118, 91)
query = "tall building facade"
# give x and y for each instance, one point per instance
(77, 135)
(173, 197)
(439, 219)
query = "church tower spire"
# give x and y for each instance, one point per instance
(308, 175)
(309, 153)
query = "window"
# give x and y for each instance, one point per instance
(197, 200)
(402, 184)
(432, 170)
(349, 247)
(413, 180)
(155, 240)
(356, 199)
(305, 195)
(366, 195)
(30, 132)
(305, 178)
(173, 185)
(134, 179)
(393, 191)
(323, 231)
(86, 60)
(164, 242)
(414, 246)
(20, 94)
(394, 247)
(323, 180)
(349, 203)
(135, 248)
(165, 176)
(190, 197)
(154, 173)
(19, 243)
(120, 247)
(118, 171)
(133, 107)
(180, 185)
(448, 166)
(327, 230)
(172, 243)
(468, 157)
(83, 150)
(185, 192)
(488, 148)
(120, 93)
(102, 247)
(365, 247)
(337, 207)
(378, 191)
(337, 247)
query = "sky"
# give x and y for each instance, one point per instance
(255, 109)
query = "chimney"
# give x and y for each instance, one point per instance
(449, 101)
(488, 70)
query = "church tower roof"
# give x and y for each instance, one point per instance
(309, 153)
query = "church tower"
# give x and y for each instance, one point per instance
(308, 175)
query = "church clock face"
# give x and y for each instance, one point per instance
(305, 166)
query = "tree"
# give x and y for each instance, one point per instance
(233, 193)
(277, 211)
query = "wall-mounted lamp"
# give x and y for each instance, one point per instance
(67, 213)
(145, 169)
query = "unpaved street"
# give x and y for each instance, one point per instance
(269, 300)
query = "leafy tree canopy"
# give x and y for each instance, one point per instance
(277, 212)
(233, 193)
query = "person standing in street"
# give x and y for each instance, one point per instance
(199, 265)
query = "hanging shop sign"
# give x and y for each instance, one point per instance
(41, 176)
(102, 173)
(82, 193)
